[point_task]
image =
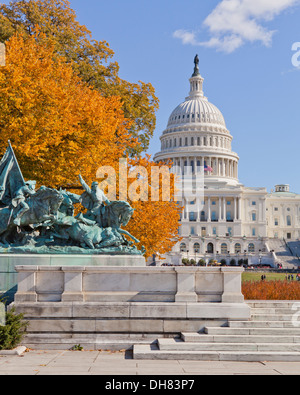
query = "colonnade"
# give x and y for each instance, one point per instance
(222, 167)
(214, 209)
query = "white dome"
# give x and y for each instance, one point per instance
(196, 110)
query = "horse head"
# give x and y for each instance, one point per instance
(53, 198)
(123, 211)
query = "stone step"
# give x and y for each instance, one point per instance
(272, 304)
(275, 310)
(179, 345)
(153, 352)
(262, 324)
(271, 317)
(203, 338)
(88, 341)
(252, 331)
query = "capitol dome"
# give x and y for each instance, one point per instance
(196, 110)
(196, 136)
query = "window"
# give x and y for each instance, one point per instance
(228, 202)
(253, 216)
(253, 232)
(224, 248)
(237, 248)
(275, 208)
(186, 141)
(192, 216)
(182, 247)
(210, 248)
(213, 216)
(192, 230)
(288, 220)
(196, 248)
(253, 203)
(228, 216)
(214, 231)
(229, 231)
(276, 222)
(251, 248)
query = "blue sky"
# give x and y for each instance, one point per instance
(245, 51)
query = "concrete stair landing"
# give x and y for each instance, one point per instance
(272, 334)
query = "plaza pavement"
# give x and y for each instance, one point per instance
(105, 363)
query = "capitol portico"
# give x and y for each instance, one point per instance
(227, 222)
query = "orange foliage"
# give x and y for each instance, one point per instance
(271, 290)
(58, 125)
(156, 218)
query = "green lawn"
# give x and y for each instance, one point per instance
(249, 276)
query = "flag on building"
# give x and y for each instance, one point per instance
(207, 168)
(11, 178)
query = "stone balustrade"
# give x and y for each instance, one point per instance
(129, 284)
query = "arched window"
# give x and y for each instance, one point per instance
(210, 248)
(288, 220)
(237, 248)
(251, 248)
(224, 248)
(183, 247)
(196, 248)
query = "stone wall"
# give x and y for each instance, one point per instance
(103, 306)
(128, 284)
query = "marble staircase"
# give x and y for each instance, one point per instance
(272, 334)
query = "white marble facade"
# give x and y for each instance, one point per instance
(227, 220)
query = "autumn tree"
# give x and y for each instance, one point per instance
(90, 58)
(59, 126)
(151, 192)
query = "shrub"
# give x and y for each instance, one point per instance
(271, 290)
(13, 331)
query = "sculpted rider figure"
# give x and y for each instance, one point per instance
(19, 201)
(93, 198)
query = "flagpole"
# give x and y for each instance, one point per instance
(16, 160)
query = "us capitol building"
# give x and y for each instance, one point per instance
(229, 222)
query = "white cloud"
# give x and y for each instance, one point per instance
(186, 37)
(234, 22)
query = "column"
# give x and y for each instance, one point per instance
(240, 208)
(208, 210)
(181, 165)
(235, 209)
(220, 209)
(198, 209)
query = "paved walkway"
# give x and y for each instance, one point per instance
(52, 362)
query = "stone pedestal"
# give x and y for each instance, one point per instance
(89, 304)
